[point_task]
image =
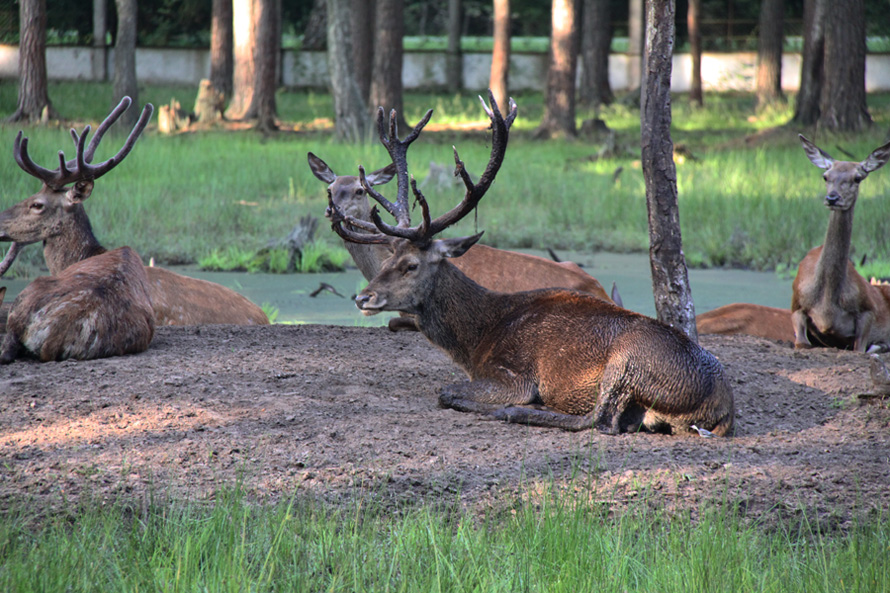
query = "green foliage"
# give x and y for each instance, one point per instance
(550, 541)
(315, 257)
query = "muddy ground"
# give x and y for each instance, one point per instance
(341, 412)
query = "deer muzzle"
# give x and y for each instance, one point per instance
(369, 303)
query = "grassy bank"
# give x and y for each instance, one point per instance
(758, 205)
(555, 544)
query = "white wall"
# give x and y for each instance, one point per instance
(720, 72)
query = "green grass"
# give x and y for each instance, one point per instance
(183, 198)
(556, 542)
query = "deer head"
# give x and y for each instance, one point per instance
(57, 209)
(842, 178)
(409, 275)
(346, 191)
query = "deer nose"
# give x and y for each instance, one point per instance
(362, 299)
(832, 199)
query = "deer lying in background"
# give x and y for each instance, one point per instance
(495, 269)
(56, 216)
(588, 361)
(98, 305)
(747, 319)
(831, 303)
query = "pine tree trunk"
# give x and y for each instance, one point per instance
(596, 44)
(350, 111)
(243, 68)
(559, 106)
(670, 282)
(693, 23)
(769, 53)
(33, 104)
(843, 105)
(806, 109)
(454, 69)
(363, 21)
(386, 82)
(268, 28)
(499, 77)
(221, 47)
(125, 83)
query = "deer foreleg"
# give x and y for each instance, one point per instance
(799, 323)
(863, 331)
(10, 347)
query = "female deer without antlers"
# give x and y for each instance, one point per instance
(831, 303)
(56, 216)
(589, 362)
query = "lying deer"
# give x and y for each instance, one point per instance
(97, 306)
(831, 303)
(747, 319)
(495, 269)
(56, 217)
(589, 362)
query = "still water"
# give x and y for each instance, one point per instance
(290, 293)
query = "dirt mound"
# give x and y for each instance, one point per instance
(342, 412)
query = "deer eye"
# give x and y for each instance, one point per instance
(37, 206)
(411, 268)
(360, 192)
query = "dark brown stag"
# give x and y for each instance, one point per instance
(588, 362)
(55, 215)
(495, 269)
(95, 306)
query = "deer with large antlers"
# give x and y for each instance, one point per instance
(495, 269)
(55, 215)
(831, 303)
(587, 361)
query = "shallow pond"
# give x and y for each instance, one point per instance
(290, 293)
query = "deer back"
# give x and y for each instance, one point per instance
(748, 319)
(182, 300)
(95, 308)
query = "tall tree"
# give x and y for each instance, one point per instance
(100, 29)
(843, 102)
(125, 82)
(33, 104)
(670, 282)
(693, 25)
(635, 41)
(806, 109)
(363, 22)
(454, 69)
(596, 43)
(257, 39)
(221, 47)
(769, 53)
(350, 111)
(559, 105)
(386, 82)
(499, 77)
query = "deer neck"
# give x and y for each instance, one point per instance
(457, 314)
(72, 242)
(831, 268)
(367, 258)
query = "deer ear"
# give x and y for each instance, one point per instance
(817, 156)
(320, 169)
(381, 176)
(78, 192)
(877, 159)
(456, 247)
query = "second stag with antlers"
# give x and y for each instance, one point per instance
(588, 362)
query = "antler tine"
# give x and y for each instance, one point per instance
(415, 234)
(103, 127)
(20, 154)
(398, 151)
(500, 132)
(374, 237)
(387, 205)
(9, 257)
(96, 171)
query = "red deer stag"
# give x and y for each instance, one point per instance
(589, 362)
(56, 216)
(831, 303)
(747, 319)
(495, 269)
(97, 306)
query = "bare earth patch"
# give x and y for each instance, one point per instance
(342, 412)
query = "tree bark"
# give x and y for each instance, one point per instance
(806, 109)
(693, 24)
(363, 23)
(454, 61)
(499, 77)
(596, 44)
(221, 47)
(843, 105)
(386, 82)
(350, 111)
(100, 29)
(635, 42)
(125, 82)
(670, 282)
(33, 103)
(559, 105)
(769, 53)
(257, 38)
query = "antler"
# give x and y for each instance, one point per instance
(79, 167)
(382, 232)
(9, 257)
